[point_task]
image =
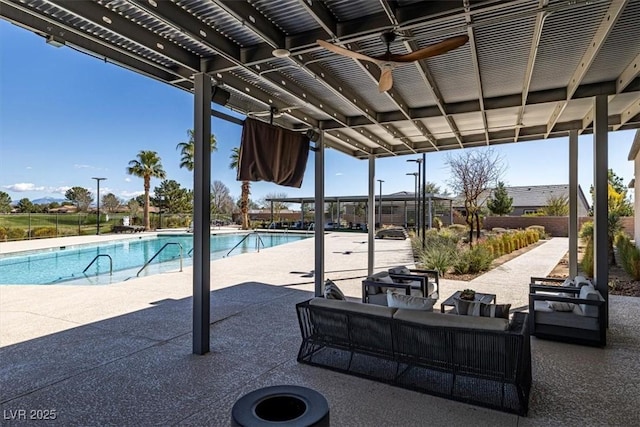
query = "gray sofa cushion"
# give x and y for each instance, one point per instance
(410, 302)
(544, 315)
(356, 307)
(452, 320)
(566, 319)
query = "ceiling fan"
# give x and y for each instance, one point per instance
(389, 61)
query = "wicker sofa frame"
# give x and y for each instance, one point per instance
(482, 367)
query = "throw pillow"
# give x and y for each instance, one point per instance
(332, 291)
(481, 309)
(561, 305)
(494, 310)
(409, 302)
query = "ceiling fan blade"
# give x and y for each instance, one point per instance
(433, 50)
(346, 52)
(386, 81)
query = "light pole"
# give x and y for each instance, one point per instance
(98, 203)
(380, 204)
(415, 200)
(418, 213)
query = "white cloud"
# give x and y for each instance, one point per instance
(77, 166)
(59, 190)
(130, 194)
(29, 167)
(22, 187)
(127, 179)
(339, 174)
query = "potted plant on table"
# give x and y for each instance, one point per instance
(468, 294)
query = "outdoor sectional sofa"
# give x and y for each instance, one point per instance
(479, 360)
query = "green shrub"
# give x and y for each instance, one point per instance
(542, 234)
(507, 243)
(628, 254)
(474, 260)
(586, 231)
(12, 233)
(39, 232)
(587, 260)
(440, 258)
(459, 229)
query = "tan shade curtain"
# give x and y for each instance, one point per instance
(271, 153)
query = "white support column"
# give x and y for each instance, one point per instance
(636, 196)
(573, 203)
(319, 217)
(371, 212)
(600, 209)
(201, 213)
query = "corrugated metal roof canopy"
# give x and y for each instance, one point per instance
(527, 72)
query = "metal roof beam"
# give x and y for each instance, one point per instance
(250, 17)
(499, 102)
(606, 25)
(360, 29)
(93, 45)
(476, 66)
(118, 24)
(629, 113)
(191, 26)
(630, 72)
(322, 15)
(533, 53)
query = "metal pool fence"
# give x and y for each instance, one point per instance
(26, 226)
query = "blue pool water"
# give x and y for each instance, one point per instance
(66, 264)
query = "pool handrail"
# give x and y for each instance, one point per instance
(258, 242)
(96, 258)
(158, 253)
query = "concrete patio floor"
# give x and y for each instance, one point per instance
(121, 354)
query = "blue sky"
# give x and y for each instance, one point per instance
(66, 117)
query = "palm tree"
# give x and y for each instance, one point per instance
(187, 149)
(146, 166)
(246, 188)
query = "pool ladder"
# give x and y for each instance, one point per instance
(258, 242)
(158, 253)
(96, 258)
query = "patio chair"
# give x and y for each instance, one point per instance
(417, 282)
(569, 312)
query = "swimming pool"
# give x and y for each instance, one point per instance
(125, 257)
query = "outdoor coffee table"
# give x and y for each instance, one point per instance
(485, 298)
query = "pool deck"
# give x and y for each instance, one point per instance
(121, 354)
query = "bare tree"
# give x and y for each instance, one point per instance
(221, 200)
(473, 173)
(277, 206)
(110, 202)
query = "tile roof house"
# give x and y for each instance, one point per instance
(529, 198)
